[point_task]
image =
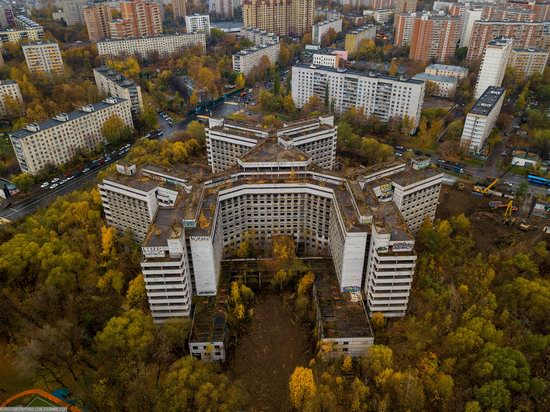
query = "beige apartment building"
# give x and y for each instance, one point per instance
(43, 57)
(145, 17)
(179, 8)
(56, 141)
(527, 62)
(9, 88)
(355, 37)
(282, 17)
(98, 18)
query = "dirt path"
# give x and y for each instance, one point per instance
(266, 356)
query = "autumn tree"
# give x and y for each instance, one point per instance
(392, 71)
(302, 387)
(115, 130)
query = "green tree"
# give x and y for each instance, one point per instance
(197, 131)
(23, 181)
(494, 396)
(115, 130)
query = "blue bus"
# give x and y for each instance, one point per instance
(538, 180)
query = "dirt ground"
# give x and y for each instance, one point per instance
(266, 356)
(489, 232)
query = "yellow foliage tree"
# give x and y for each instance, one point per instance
(302, 386)
(305, 283)
(108, 249)
(240, 81)
(347, 364)
(392, 71)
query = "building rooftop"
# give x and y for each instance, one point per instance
(7, 81)
(488, 100)
(500, 41)
(115, 76)
(209, 318)
(523, 154)
(362, 29)
(325, 22)
(358, 73)
(39, 43)
(271, 151)
(435, 78)
(342, 314)
(447, 67)
(256, 49)
(156, 36)
(65, 117)
(530, 50)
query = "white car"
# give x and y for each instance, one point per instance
(86, 170)
(71, 177)
(55, 180)
(45, 184)
(54, 186)
(63, 182)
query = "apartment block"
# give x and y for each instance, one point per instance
(73, 11)
(246, 60)
(446, 86)
(405, 6)
(43, 57)
(434, 38)
(222, 9)
(471, 15)
(330, 57)
(98, 18)
(257, 36)
(282, 17)
(145, 17)
(403, 28)
(121, 29)
(9, 89)
(527, 62)
(482, 118)
(227, 140)
(179, 8)
(385, 97)
(447, 70)
(523, 34)
(145, 46)
(322, 28)
(355, 37)
(197, 23)
(493, 65)
(370, 4)
(7, 18)
(112, 83)
(25, 30)
(380, 16)
(56, 141)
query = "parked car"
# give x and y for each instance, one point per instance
(55, 180)
(54, 186)
(45, 184)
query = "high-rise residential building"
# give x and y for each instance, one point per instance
(385, 97)
(98, 18)
(447, 70)
(282, 17)
(246, 60)
(471, 15)
(145, 17)
(434, 38)
(403, 28)
(144, 47)
(355, 37)
(524, 34)
(28, 31)
(112, 83)
(7, 19)
(73, 11)
(527, 62)
(9, 89)
(43, 57)
(323, 27)
(179, 8)
(227, 140)
(197, 23)
(121, 29)
(222, 9)
(482, 118)
(257, 36)
(493, 65)
(56, 141)
(405, 6)
(188, 222)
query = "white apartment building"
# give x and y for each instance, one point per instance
(228, 140)
(493, 65)
(379, 16)
(481, 119)
(322, 28)
(144, 46)
(447, 70)
(383, 96)
(246, 60)
(197, 23)
(471, 15)
(326, 58)
(58, 140)
(43, 57)
(355, 37)
(257, 36)
(9, 89)
(111, 83)
(446, 86)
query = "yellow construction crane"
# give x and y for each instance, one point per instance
(485, 190)
(508, 219)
